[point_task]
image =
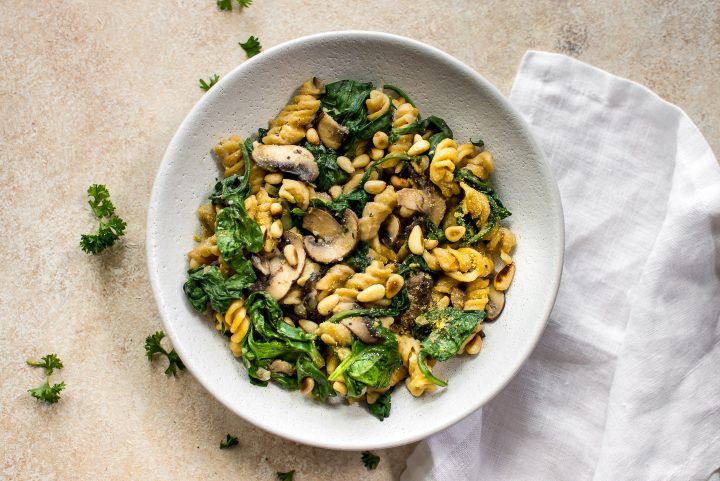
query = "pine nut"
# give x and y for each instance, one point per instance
(276, 229)
(380, 140)
(399, 182)
(340, 388)
(454, 233)
(276, 208)
(415, 241)
(361, 161)
(443, 302)
(374, 187)
(345, 164)
(473, 347)
(312, 136)
(419, 148)
(308, 326)
(377, 154)
(288, 321)
(291, 255)
(326, 306)
(274, 179)
(430, 244)
(306, 386)
(417, 138)
(393, 286)
(405, 212)
(335, 191)
(373, 293)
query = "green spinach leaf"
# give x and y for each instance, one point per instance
(360, 257)
(381, 408)
(326, 159)
(371, 365)
(206, 284)
(306, 368)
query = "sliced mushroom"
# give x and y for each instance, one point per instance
(321, 223)
(280, 366)
(292, 159)
(261, 264)
(419, 288)
(282, 274)
(338, 242)
(425, 202)
(496, 302)
(392, 229)
(363, 329)
(331, 133)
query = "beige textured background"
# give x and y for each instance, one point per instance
(93, 90)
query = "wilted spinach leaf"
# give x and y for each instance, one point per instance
(206, 284)
(381, 408)
(400, 92)
(360, 257)
(326, 159)
(400, 303)
(449, 329)
(306, 368)
(371, 365)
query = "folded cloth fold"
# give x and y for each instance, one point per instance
(625, 382)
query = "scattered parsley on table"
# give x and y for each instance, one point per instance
(288, 476)
(211, 81)
(47, 392)
(227, 4)
(110, 228)
(251, 46)
(370, 460)
(153, 346)
(229, 442)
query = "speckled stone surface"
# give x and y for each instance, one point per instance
(92, 91)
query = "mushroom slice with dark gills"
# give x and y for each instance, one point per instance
(419, 287)
(425, 201)
(363, 329)
(280, 366)
(337, 241)
(331, 133)
(282, 274)
(292, 159)
(496, 302)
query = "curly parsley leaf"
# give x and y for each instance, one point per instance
(227, 4)
(229, 442)
(110, 228)
(251, 46)
(211, 81)
(288, 476)
(370, 460)
(478, 143)
(46, 392)
(153, 347)
(49, 362)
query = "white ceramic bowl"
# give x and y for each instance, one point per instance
(254, 92)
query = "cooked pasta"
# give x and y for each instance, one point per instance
(352, 246)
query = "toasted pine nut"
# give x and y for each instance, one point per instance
(276, 208)
(393, 286)
(419, 148)
(326, 306)
(374, 187)
(291, 255)
(430, 244)
(340, 388)
(371, 294)
(417, 138)
(415, 241)
(443, 302)
(361, 161)
(345, 164)
(335, 191)
(454, 233)
(386, 321)
(399, 182)
(503, 278)
(288, 321)
(380, 140)
(377, 154)
(473, 347)
(306, 386)
(274, 179)
(308, 325)
(405, 212)
(431, 261)
(312, 136)
(276, 229)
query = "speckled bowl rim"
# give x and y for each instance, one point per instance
(557, 250)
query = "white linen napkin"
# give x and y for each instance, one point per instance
(625, 382)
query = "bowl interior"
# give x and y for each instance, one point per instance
(253, 93)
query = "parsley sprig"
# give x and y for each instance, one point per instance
(288, 476)
(370, 460)
(47, 392)
(227, 4)
(229, 442)
(251, 46)
(153, 346)
(211, 81)
(111, 227)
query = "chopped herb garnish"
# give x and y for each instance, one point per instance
(288, 476)
(227, 4)
(229, 442)
(478, 143)
(47, 392)
(153, 346)
(110, 228)
(370, 460)
(208, 85)
(251, 46)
